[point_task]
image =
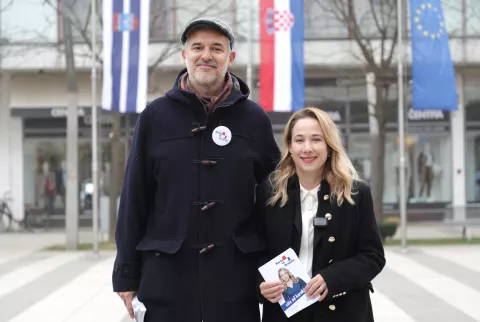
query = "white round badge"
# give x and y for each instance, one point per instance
(221, 135)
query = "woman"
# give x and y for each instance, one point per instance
(292, 285)
(317, 206)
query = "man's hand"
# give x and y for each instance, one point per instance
(317, 286)
(272, 291)
(127, 298)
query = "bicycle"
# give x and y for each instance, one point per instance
(34, 222)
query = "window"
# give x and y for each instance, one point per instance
(27, 22)
(80, 12)
(241, 22)
(473, 17)
(162, 14)
(375, 16)
(428, 168)
(321, 22)
(472, 148)
(46, 174)
(452, 11)
(325, 19)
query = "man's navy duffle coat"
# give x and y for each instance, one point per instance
(187, 232)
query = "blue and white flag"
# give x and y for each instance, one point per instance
(433, 76)
(125, 55)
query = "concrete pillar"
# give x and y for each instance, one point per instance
(11, 151)
(16, 167)
(5, 134)
(458, 152)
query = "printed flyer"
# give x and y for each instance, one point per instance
(288, 269)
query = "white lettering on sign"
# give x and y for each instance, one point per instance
(62, 112)
(104, 120)
(418, 115)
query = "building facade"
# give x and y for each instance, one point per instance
(443, 148)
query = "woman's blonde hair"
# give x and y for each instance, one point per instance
(338, 171)
(290, 276)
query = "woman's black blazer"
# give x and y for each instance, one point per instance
(348, 253)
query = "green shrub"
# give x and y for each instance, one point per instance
(387, 229)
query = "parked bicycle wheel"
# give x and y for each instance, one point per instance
(5, 222)
(36, 221)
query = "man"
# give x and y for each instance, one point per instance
(187, 235)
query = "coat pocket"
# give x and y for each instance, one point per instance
(249, 243)
(160, 279)
(167, 246)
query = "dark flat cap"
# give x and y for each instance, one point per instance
(215, 23)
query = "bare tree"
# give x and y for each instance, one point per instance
(4, 37)
(162, 25)
(372, 27)
(162, 29)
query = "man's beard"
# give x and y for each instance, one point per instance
(205, 80)
(209, 80)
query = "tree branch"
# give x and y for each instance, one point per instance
(82, 24)
(381, 30)
(363, 42)
(77, 25)
(387, 63)
(7, 5)
(342, 13)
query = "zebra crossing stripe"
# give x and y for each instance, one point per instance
(465, 257)
(427, 275)
(6, 257)
(104, 306)
(18, 278)
(386, 311)
(456, 294)
(81, 290)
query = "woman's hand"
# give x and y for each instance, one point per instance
(317, 286)
(272, 291)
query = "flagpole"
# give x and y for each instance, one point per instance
(96, 187)
(401, 126)
(249, 46)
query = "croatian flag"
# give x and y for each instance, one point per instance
(125, 55)
(282, 80)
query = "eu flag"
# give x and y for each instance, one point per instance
(433, 75)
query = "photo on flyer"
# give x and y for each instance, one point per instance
(287, 268)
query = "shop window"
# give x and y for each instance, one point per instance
(428, 169)
(359, 151)
(472, 163)
(45, 169)
(476, 190)
(428, 166)
(45, 174)
(472, 148)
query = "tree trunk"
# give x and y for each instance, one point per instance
(115, 159)
(378, 150)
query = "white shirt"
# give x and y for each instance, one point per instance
(309, 203)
